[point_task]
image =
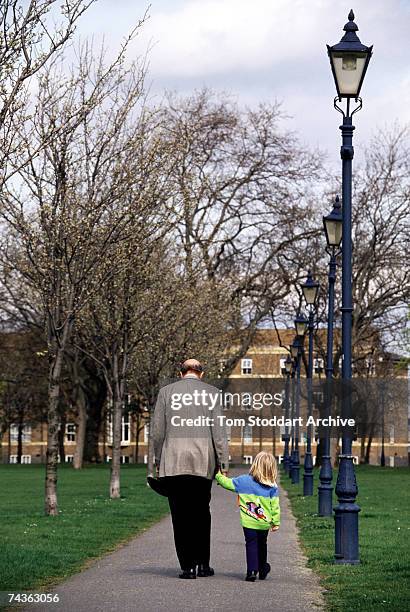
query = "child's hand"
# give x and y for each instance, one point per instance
(274, 527)
(223, 472)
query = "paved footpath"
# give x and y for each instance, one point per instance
(142, 575)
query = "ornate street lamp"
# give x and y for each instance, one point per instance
(349, 60)
(310, 291)
(294, 349)
(332, 224)
(286, 435)
(293, 410)
(301, 325)
(296, 352)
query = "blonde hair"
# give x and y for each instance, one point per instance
(264, 469)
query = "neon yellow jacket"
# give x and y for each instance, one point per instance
(258, 503)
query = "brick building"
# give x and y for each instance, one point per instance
(265, 359)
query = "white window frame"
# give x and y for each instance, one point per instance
(226, 401)
(248, 459)
(70, 432)
(26, 459)
(318, 397)
(125, 428)
(246, 436)
(282, 365)
(123, 459)
(246, 366)
(69, 458)
(318, 365)
(14, 433)
(146, 433)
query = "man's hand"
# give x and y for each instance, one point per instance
(274, 527)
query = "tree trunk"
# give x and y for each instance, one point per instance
(9, 444)
(96, 392)
(151, 458)
(53, 422)
(61, 436)
(20, 439)
(116, 449)
(319, 452)
(116, 432)
(80, 431)
(56, 355)
(368, 448)
(362, 448)
(337, 450)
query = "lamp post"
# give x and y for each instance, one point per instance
(294, 457)
(310, 291)
(286, 435)
(349, 60)
(332, 224)
(383, 456)
(293, 407)
(296, 352)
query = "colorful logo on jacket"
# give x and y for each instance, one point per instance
(255, 510)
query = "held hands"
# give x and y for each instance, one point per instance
(223, 472)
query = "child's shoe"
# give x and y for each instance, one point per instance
(265, 572)
(251, 576)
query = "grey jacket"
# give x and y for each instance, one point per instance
(184, 448)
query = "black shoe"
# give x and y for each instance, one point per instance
(188, 574)
(251, 576)
(204, 570)
(262, 575)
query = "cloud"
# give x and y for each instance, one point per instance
(269, 49)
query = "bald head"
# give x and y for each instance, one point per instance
(192, 366)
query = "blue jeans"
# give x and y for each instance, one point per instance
(256, 548)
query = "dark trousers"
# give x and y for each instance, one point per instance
(189, 498)
(256, 548)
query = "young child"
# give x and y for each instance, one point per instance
(258, 500)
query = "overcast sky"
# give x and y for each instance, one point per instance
(263, 50)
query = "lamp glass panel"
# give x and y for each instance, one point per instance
(294, 351)
(348, 69)
(310, 294)
(334, 232)
(300, 328)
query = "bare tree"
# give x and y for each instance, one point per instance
(32, 33)
(239, 192)
(69, 210)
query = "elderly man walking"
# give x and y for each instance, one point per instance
(188, 452)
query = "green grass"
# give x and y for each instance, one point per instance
(382, 580)
(37, 550)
